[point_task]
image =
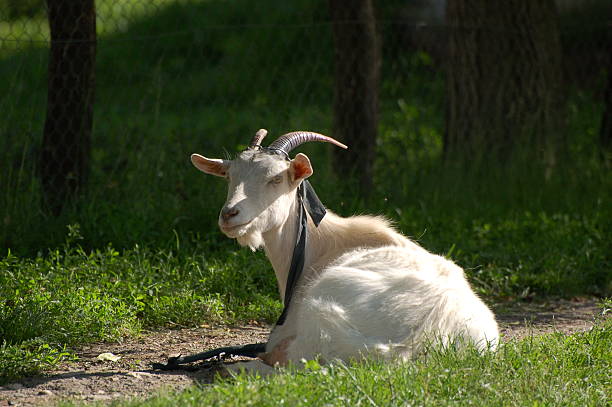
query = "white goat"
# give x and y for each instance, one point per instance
(366, 290)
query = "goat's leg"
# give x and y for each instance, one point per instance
(278, 355)
(269, 362)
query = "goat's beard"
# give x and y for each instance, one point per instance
(253, 239)
(252, 235)
(246, 235)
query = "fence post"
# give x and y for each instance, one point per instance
(605, 132)
(357, 65)
(503, 81)
(64, 160)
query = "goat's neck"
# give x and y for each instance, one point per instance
(334, 236)
(279, 244)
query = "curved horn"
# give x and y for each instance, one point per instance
(258, 138)
(289, 141)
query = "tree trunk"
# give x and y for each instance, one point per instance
(503, 81)
(605, 133)
(64, 161)
(357, 64)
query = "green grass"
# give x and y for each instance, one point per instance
(70, 297)
(550, 370)
(21, 27)
(140, 247)
(159, 98)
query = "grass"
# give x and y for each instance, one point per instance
(29, 26)
(140, 247)
(550, 370)
(69, 297)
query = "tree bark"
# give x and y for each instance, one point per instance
(605, 132)
(64, 161)
(503, 81)
(357, 65)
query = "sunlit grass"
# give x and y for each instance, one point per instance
(113, 16)
(68, 297)
(550, 370)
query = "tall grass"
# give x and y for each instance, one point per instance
(174, 78)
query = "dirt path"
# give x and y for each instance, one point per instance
(89, 379)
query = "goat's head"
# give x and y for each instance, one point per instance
(262, 184)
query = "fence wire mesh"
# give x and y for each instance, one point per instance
(160, 77)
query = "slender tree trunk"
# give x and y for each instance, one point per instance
(503, 81)
(357, 65)
(605, 133)
(64, 161)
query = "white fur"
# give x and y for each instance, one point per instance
(366, 290)
(389, 302)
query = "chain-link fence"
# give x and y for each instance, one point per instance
(127, 87)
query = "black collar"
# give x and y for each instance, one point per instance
(308, 201)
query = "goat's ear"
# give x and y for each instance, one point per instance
(300, 168)
(211, 166)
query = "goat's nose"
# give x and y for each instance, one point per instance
(227, 213)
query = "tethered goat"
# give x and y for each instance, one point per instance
(364, 289)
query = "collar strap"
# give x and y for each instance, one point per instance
(308, 201)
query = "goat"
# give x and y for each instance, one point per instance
(365, 289)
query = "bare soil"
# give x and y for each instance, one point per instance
(89, 379)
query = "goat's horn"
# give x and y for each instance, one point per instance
(289, 141)
(258, 137)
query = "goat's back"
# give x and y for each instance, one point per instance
(389, 301)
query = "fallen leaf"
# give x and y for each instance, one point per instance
(107, 356)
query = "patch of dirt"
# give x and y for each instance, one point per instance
(89, 379)
(521, 319)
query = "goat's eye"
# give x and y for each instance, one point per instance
(275, 180)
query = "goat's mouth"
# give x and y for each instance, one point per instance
(234, 231)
